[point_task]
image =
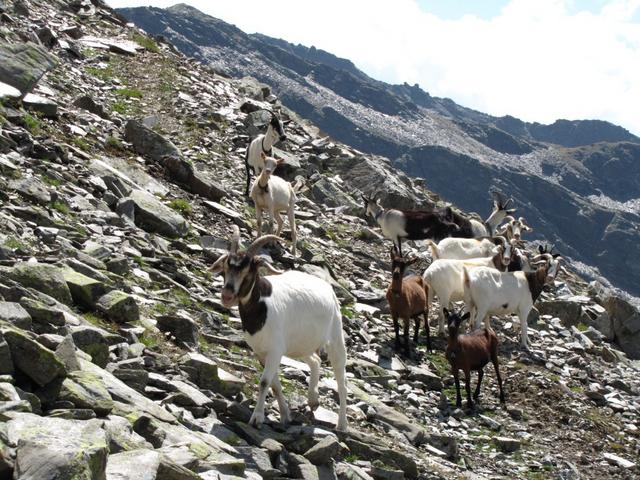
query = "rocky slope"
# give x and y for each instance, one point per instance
(120, 178)
(585, 171)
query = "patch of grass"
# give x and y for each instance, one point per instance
(119, 107)
(32, 123)
(81, 143)
(181, 205)
(351, 458)
(151, 339)
(347, 311)
(113, 144)
(54, 182)
(582, 327)
(60, 207)
(97, 321)
(182, 297)
(160, 308)
(128, 92)
(146, 42)
(101, 73)
(14, 244)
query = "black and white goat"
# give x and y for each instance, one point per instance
(410, 224)
(276, 195)
(291, 313)
(490, 292)
(263, 144)
(472, 228)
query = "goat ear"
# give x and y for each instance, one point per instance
(466, 316)
(511, 211)
(217, 266)
(280, 161)
(263, 156)
(446, 312)
(540, 249)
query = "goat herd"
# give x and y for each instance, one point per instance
(298, 315)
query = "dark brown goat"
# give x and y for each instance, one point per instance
(470, 352)
(407, 299)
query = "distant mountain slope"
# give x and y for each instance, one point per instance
(577, 181)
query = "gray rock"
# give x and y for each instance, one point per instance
(14, 313)
(147, 142)
(430, 380)
(181, 327)
(140, 464)
(32, 189)
(326, 192)
(184, 173)
(40, 104)
(23, 64)
(45, 278)
(6, 363)
(85, 291)
(42, 313)
(86, 102)
(508, 445)
(57, 449)
(258, 459)
(121, 435)
(85, 390)
(626, 324)
(118, 307)
(201, 370)
(93, 341)
(324, 451)
(136, 378)
(66, 353)
(36, 361)
(152, 215)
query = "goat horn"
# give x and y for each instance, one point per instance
(508, 219)
(235, 239)
(501, 239)
(258, 243)
(506, 204)
(271, 269)
(543, 256)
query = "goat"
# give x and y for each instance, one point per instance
(472, 228)
(513, 229)
(292, 313)
(409, 224)
(463, 248)
(263, 144)
(500, 211)
(470, 352)
(407, 297)
(444, 277)
(272, 193)
(491, 292)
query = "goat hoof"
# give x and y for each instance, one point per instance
(256, 420)
(313, 404)
(342, 426)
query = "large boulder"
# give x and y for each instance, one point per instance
(57, 449)
(147, 142)
(33, 359)
(42, 277)
(23, 64)
(85, 291)
(118, 307)
(141, 464)
(6, 363)
(152, 215)
(93, 341)
(626, 324)
(14, 313)
(183, 172)
(181, 327)
(85, 390)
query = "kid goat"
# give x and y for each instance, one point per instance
(491, 292)
(407, 297)
(272, 193)
(470, 352)
(263, 144)
(292, 313)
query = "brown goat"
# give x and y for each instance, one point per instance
(470, 352)
(407, 299)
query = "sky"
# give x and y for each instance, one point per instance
(538, 60)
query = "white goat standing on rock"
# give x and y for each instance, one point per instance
(291, 313)
(272, 193)
(263, 145)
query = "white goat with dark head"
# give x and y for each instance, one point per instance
(276, 195)
(263, 144)
(291, 313)
(444, 277)
(490, 292)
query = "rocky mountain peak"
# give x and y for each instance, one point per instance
(121, 177)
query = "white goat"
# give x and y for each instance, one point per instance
(444, 278)
(262, 145)
(293, 314)
(490, 292)
(464, 248)
(272, 193)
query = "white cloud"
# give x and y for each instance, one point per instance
(538, 60)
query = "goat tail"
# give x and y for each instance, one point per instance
(434, 249)
(465, 277)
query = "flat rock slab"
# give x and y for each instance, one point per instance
(142, 464)
(23, 64)
(118, 307)
(14, 313)
(54, 448)
(125, 47)
(152, 215)
(7, 92)
(85, 291)
(40, 104)
(44, 278)
(147, 142)
(85, 390)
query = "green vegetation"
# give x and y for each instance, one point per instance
(14, 244)
(182, 297)
(81, 143)
(128, 92)
(101, 73)
(347, 311)
(160, 308)
(54, 182)
(32, 123)
(119, 107)
(60, 207)
(146, 42)
(97, 321)
(181, 205)
(351, 458)
(151, 339)
(113, 144)
(582, 327)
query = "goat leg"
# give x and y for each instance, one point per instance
(396, 328)
(494, 359)
(416, 332)
(248, 167)
(476, 394)
(406, 324)
(467, 387)
(426, 327)
(456, 379)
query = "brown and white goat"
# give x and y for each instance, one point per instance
(513, 229)
(407, 297)
(276, 195)
(470, 352)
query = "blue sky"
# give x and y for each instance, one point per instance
(538, 60)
